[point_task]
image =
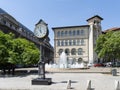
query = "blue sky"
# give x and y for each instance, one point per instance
(63, 12)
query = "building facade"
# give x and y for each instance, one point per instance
(77, 42)
(10, 24)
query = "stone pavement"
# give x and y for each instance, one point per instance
(79, 81)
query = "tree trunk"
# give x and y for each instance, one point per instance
(9, 71)
(13, 71)
(4, 71)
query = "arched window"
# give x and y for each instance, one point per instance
(73, 51)
(80, 60)
(60, 51)
(80, 51)
(67, 51)
(58, 34)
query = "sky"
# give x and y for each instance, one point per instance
(58, 13)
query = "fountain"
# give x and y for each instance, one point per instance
(63, 60)
(63, 63)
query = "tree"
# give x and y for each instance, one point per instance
(5, 43)
(23, 52)
(5, 40)
(108, 46)
(16, 51)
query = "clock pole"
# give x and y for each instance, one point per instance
(41, 64)
(41, 31)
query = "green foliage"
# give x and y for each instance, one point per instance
(108, 45)
(17, 51)
(5, 42)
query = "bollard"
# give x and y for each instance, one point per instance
(69, 84)
(114, 72)
(89, 85)
(117, 85)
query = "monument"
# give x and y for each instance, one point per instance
(41, 31)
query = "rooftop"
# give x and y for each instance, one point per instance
(2, 11)
(113, 29)
(94, 17)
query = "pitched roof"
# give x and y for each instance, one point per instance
(41, 21)
(113, 29)
(94, 17)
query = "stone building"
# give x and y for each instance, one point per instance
(77, 42)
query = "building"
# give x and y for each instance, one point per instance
(10, 24)
(78, 42)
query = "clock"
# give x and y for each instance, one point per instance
(40, 31)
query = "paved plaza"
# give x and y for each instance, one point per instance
(79, 81)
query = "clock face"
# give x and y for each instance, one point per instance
(40, 31)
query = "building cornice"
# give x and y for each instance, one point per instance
(70, 27)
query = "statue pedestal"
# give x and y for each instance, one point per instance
(40, 81)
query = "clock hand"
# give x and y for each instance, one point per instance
(40, 31)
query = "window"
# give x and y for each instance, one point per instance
(62, 43)
(58, 43)
(74, 42)
(4, 22)
(70, 33)
(58, 34)
(82, 41)
(60, 51)
(80, 60)
(74, 33)
(73, 51)
(11, 25)
(82, 32)
(78, 32)
(70, 42)
(66, 33)
(62, 33)
(78, 42)
(67, 51)
(80, 51)
(66, 43)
